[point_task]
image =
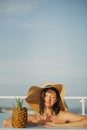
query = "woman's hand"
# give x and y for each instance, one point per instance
(51, 124)
(7, 123)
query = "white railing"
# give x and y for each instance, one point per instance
(80, 98)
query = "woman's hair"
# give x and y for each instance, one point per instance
(56, 106)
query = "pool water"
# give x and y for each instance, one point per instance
(3, 116)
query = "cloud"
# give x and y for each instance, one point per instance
(14, 71)
(35, 25)
(11, 8)
(19, 6)
(25, 25)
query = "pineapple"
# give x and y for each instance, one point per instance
(19, 115)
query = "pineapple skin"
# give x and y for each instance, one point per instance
(19, 117)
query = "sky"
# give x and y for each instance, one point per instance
(43, 41)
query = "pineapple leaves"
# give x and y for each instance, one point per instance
(19, 114)
(19, 102)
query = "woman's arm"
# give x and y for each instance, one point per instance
(80, 123)
(34, 119)
(70, 120)
(7, 122)
(72, 117)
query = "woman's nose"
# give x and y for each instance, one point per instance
(49, 98)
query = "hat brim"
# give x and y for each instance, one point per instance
(33, 96)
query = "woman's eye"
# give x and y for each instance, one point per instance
(46, 95)
(52, 97)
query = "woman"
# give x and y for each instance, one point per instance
(48, 101)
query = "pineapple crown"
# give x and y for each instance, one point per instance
(19, 102)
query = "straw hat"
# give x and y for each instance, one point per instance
(33, 96)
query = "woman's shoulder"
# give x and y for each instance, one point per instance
(64, 114)
(70, 115)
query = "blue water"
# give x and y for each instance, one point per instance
(3, 116)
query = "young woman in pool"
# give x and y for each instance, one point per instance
(48, 101)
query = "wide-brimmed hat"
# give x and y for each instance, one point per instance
(33, 96)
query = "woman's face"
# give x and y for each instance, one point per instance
(50, 98)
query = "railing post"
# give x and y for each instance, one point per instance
(68, 97)
(83, 105)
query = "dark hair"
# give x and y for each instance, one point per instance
(56, 106)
